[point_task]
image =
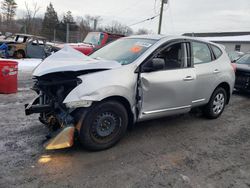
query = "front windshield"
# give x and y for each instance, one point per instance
(93, 38)
(124, 50)
(244, 59)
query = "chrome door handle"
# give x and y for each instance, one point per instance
(188, 78)
(216, 71)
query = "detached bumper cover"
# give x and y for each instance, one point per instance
(63, 139)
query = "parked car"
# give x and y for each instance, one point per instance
(133, 79)
(27, 46)
(234, 55)
(242, 82)
(93, 41)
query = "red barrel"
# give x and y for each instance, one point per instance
(8, 76)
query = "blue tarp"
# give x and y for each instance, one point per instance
(4, 48)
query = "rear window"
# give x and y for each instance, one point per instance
(217, 51)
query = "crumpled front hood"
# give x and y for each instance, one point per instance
(69, 59)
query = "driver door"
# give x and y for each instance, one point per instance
(166, 82)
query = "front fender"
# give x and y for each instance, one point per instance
(98, 95)
(100, 85)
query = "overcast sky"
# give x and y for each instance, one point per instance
(180, 16)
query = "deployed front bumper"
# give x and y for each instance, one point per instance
(62, 138)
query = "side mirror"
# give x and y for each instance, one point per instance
(158, 64)
(154, 65)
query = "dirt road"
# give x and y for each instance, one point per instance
(183, 151)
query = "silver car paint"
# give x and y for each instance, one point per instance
(104, 84)
(210, 75)
(163, 92)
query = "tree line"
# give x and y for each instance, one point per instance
(53, 28)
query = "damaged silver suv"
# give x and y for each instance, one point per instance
(95, 98)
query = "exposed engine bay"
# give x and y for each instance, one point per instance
(56, 77)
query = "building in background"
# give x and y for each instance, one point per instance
(233, 41)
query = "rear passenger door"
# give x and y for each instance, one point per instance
(206, 68)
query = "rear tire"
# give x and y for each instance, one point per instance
(216, 104)
(103, 126)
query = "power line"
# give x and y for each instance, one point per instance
(148, 19)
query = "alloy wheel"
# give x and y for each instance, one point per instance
(218, 103)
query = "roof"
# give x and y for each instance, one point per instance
(27, 35)
(241, 38)
(154, 37)
(168, 37)
(217, 34)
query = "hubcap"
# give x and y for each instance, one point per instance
(218, 104)
(105, 125)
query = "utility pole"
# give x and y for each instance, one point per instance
(161, 14)
(95, 24)
(25, 29)
(67, 33)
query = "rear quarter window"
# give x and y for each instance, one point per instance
(217, 52)
(200, 53)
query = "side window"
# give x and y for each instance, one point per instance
(172, 57)
(200, 53)
(217, 51)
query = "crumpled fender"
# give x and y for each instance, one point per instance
(100, 85)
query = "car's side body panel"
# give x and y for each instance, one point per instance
(210, 75)
(166, 92)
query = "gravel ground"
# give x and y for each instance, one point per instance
(182, 151)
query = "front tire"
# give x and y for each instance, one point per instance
(216, 104)
(104, 125)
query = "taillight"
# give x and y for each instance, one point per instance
(234, 66)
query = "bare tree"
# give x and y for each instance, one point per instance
(86, 24)
(1, 21)
(84, 27)
(118, 28)
(9, 10)
(30, 17)
(8, 13)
